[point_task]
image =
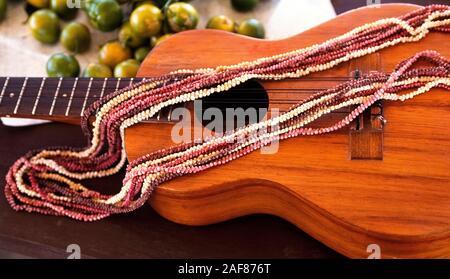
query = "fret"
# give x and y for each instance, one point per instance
(58, 88)
(38, 96)
(71, 97)
(58, 96)
(62, 104)
(81, 97)
(112, 85)
(4, 89)
(86, 97)
(118, 84)
(24, 85)
(46, 94)
(108, 86)
(29, 96)
(103, 87)
(11, 95)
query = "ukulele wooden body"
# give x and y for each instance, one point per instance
(370, 183)
(401, 203)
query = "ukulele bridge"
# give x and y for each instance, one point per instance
(366, 134)
(366, 131)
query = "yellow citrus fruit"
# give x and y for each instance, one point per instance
(113, 53)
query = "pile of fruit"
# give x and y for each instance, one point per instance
(142, 25)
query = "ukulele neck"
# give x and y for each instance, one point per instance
(58, 99)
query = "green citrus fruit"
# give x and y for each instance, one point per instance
(126, 69)
(44, 26)
(97, 70)
(182, 16)
(61, 8)
(105, 15)
(62, 65)
(146, 20)
(129, 38)
(76, 37)
(113, 53)
(141, 53)
(221, 22)
(252, 28)
(157, 41)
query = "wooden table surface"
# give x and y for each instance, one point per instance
(143, 233)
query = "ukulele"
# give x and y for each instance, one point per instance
(385, 180)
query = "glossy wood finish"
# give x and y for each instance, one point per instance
(401, 203)
(56, 99)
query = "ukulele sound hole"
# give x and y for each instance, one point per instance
(242, 105)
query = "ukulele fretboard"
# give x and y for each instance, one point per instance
(21, 96)
(50, 98)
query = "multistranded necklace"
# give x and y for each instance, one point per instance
(45, 181)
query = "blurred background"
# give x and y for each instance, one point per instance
(278, 18)
(106, 38)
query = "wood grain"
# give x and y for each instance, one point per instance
(401, 203)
